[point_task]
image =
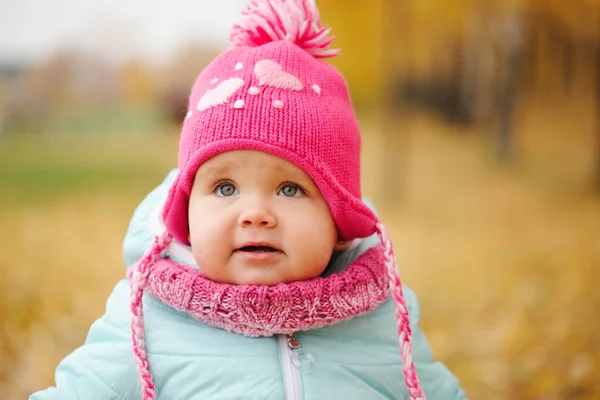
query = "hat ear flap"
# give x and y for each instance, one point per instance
(175, 212)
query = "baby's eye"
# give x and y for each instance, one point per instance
(290, 190)
(226, 190)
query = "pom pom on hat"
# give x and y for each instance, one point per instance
(297, 21)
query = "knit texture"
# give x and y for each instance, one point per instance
(253, 310)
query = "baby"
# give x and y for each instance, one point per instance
(256, 271)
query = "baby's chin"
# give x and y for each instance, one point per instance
(262, 278)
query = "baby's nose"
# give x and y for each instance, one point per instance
(258, 217)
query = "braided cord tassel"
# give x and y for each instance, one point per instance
(402, 318)
(138, 275)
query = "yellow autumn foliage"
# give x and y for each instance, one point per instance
(385, 39)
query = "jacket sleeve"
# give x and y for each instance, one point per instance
(104, 367)
(139, 235)
(437, 381)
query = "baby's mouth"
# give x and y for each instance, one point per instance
(258, 249)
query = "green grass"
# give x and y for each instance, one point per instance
(39, 182)
(90, 120)
(37, 169)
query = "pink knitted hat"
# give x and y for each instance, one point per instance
(271, 92)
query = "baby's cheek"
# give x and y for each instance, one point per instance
(317, 254)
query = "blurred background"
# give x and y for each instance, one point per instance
(481, 151)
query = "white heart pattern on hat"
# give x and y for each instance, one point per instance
(220, 94)
(270, 73)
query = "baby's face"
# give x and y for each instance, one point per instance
(258, 219)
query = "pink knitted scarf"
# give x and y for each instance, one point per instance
(268, 310)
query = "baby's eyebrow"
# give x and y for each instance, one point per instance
(290, 170)
(212, 171)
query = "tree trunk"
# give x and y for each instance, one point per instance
(568, 55)
(509, 91)
(598, 115)
(393, 144)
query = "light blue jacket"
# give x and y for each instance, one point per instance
(354, 360)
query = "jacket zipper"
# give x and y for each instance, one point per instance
(288, 347)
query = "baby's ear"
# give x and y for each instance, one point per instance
(341, 245)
